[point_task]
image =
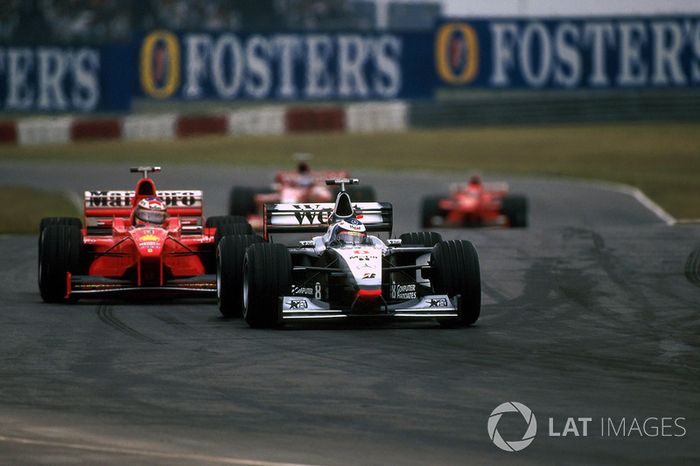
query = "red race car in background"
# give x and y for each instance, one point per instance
(475, 204)
(299, 186)
(143, 242)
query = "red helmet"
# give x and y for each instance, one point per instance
(151, 210)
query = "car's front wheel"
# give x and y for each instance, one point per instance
(455, 271)
(229, 272)
(59, 254)
(267, 273)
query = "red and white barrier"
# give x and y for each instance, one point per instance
(267, 120)
(376, 116)
(149, 127)
(261, 120)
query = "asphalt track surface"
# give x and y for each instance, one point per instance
(586, 313)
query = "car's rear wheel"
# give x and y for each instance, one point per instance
(229, 272)
(430, 211)
(218, 220)
(242, 201)
(420, 238)
(59, 254)
(266, 277)
(455, 271)
(228, 229)
(514, 207)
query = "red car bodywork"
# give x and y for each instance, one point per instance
(121, 257)
(475, 204)
(291, 187)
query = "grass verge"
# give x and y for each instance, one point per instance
(662, 159)
(23, 208)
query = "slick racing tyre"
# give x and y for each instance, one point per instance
(420, 238)
(514, 207)
(229, 272)
(455, 267)
(57, 221)
(241, 201)
(227, 229)
(266, 276)
(59, 254)
(430, 211)
(216, 221)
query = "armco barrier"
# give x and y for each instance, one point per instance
(95, 129)
(197, 125)
(44, 130)
(257, 121)
(8, 132)
(512, 107)
(271, 120)
(376, 116)
(149, 127)
(303, 119)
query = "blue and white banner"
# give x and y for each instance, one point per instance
(304, 66)
(51, 78)
(569, 53)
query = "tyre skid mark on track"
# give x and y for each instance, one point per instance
(188, 457)
(692, 267)
(106, 315)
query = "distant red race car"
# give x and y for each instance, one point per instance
(299, 186)
(143, 242)
(475, 204)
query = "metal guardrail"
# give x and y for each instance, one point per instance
(513, 107)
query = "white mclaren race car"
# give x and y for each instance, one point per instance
(344, 272)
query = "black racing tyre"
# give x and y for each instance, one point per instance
(229, 272)
(59, 221)
(455, 271)
(514, 207)
(362, 193)
(242, 201)
(232, 229)
(420, 238)
(46, 221)
(60, 253)
(218, 220)
(430, 210)
(267, 273)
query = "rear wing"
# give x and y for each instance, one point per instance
(313, 218)
(103, 206)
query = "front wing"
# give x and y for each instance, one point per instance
(298, 308)
(85, 286)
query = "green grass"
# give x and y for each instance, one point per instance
(23, 208)
(662, 159)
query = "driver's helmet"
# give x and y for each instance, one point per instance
(150, 210)
(475, 180)
(348, 232)
(304, 178)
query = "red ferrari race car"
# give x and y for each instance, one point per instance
(143, 242)
(299, 186)
(475, 204)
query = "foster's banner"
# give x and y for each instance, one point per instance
(304, 66)
(629, 52)
(52, 78)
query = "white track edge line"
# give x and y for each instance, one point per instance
(642, 198)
